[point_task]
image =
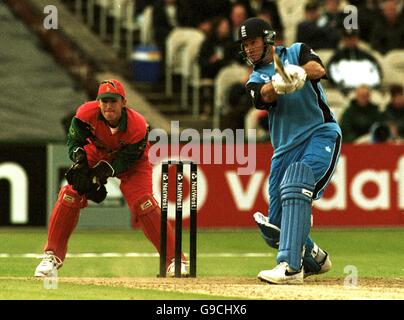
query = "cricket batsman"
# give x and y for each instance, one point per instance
(306, 140)
(106, 139)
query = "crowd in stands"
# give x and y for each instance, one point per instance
(363, 121)
(352, 67)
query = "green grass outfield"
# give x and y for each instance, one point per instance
(375, 253)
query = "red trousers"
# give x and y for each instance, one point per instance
(137, 190)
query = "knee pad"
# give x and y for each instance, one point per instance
(296, 189)
(70, 198)
(144, 206)
(298, 183)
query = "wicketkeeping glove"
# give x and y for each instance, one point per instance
(78, 174)
(101, 172)
(97, 194)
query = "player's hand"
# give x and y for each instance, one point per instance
(97, 193)
(281, 86)
(78, 174)
(297, 74)
(297, 77)
(101, 172)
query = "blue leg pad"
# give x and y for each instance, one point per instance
(296, 195)
(313, 258)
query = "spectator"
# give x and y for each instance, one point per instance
(368, 13)
(168, 14)
(333, 17)
(215, 50)
(165, 19)
(380, 133)
(268, 8)
(238, 14)
(360, 115)
(351, 66)
(141, 5)
(267, 16)
(314, 32)
(394, 113)
(239, 104)
(395, 108)
(215, 53)
(202, 11)
(388, 29)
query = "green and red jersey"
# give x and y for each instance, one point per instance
(90, 130)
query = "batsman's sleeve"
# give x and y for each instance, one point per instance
(308, 54)
(254, 92)
(77, 136)
(129, 154)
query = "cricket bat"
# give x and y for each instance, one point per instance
(281, 70)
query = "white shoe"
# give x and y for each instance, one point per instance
(325, 265)
(49, 264)
(184, 269)
(282, 274)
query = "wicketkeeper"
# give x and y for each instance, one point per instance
(106, 139)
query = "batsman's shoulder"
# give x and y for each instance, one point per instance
(295, 48)
(296, 45)
(259, 75)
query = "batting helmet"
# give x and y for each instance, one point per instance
(254, 28)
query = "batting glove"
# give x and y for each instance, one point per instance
(297, 74)
(281, 86)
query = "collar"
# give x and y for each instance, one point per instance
(122, 124)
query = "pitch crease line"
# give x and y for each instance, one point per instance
(139, 255)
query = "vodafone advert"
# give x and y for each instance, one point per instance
(367, 188)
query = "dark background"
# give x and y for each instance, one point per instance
(33, 160)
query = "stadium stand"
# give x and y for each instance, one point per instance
(95, 57)
(105, 32)
(227, 76)
(37, 91)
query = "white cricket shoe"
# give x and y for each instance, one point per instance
(184, 269)
(325, 265)
(282, 274)
(49, 264)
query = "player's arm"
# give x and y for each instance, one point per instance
(129, 154)
(314, 70)
(77, 136)
(262, 95)
(268, 93)
(77, 175)
(311, 63)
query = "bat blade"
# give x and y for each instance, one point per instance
(280, 69)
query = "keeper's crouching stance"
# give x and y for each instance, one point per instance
(106, 139)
